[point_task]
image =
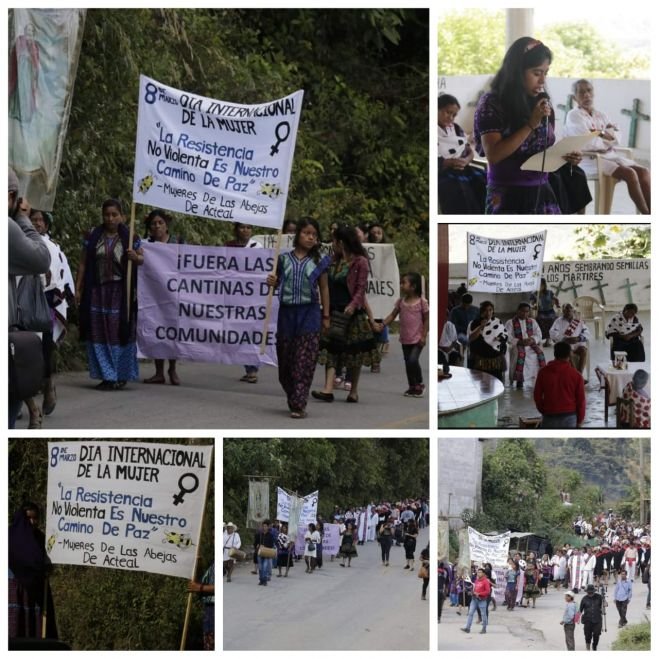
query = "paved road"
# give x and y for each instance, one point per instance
(534, 629)
(366, 607)
(212, 397)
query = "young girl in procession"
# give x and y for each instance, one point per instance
(103, 299)
(301, 276)
(413, 310)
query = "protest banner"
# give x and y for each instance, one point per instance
(258, 503)
(204, 304)
(331, 539)
(488, 548)
(505, 265)
(383, 286)
(612, 282)
(214, 159)
(44, 48)
(308, 511)
(134, 506)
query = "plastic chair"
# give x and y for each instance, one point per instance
(604, 185)
(590, 310)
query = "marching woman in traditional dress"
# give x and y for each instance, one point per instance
(513, 122)
(487, 342)
(28, 571)
(625, 330)
(157, 226)
(206, 589)
(461, 186)
(348, 276)
(103, 297)
(348, 549)
(526, 357)
(302, 280)
(586, 119)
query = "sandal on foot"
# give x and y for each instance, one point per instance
(321, 395)
(155, 379)
(173, 377)
(298, 414)
(352, 399)
(249, 377)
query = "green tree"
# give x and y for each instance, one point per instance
(472, 42)
(611, 241)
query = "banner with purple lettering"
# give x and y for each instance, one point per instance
(129, 505)
(331, 539)
(205, 304)
(214, 159)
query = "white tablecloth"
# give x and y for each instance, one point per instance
(617, 379)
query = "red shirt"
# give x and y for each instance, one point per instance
(559, 389)
(482, 588)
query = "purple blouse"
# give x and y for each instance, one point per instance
(489, 118)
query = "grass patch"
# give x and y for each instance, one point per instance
(634, 637)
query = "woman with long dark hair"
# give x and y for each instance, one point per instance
(487, 342)
(357, 347)
(514, 121)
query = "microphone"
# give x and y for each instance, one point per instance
(543, 96)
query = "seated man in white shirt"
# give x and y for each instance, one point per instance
(571, 330)
(585, 119)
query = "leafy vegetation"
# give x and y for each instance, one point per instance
(362, 147)
(522, 481)
(612, 241)
(107, 609)
(346, 472)
(472, 42)
(635, 637)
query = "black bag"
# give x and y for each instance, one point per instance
(26, 365)
(33, 309)
(338, 330)
(311, 546)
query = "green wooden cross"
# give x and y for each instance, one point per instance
(573, 288)
(558, 289)
(628, 286)
(599, 288)
(567, 107)
(635, 115)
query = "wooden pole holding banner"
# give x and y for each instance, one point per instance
(129, 269)
(44, 610)
(268, 306)
(188, 607)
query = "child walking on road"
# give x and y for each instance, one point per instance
(413, 310)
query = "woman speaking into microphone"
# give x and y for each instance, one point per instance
(513, 122)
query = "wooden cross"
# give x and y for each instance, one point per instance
(635, 115)
(599, 288)
(558, 289)
(567, 107)
(573, 288)
(628, 286)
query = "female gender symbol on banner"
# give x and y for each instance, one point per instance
(275, 147)
(178, 498)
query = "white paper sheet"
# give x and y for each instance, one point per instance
(555, 153)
